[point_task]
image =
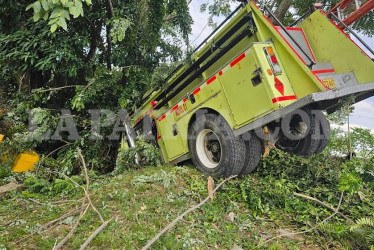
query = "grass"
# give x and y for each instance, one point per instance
(142, 202)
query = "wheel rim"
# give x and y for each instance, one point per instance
(209, 149)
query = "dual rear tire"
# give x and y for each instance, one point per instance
(314, 142)
(216, 151)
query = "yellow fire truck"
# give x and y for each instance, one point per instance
(251, 83)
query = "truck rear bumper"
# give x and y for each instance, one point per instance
(327, 100)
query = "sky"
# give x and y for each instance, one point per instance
(363, 115)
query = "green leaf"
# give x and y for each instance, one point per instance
(53, 28)
(66, 14)
(63, 2)
(74, 11)
(45, 17)
(78, 3)
(29, 6)
(37, 6)
(52, 20)
(36, 16)
(88, 2)
(62, 23)
(45, 5)
(55, 13)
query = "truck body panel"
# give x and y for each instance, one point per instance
(238, 79)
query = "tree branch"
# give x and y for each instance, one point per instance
(97, 231)
(317, 225)
(67, 237)
(325, 205)
(108, 38)
(49, 224)
(180, 217)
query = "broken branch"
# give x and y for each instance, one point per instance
(97, 231)
(325, 205)
(180, 217)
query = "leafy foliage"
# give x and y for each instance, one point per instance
(104, 57)
(57, 11)
(147, 154)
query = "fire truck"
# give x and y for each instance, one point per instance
(255, 83)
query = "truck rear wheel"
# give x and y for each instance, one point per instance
(214, 149)
(314, 142)
(253, 153)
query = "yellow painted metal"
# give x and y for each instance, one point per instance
(330, 44)
(302, 79)
(232, 93)
(236, 82)
(25, 161)
(174, 146)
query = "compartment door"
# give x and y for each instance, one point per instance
(247, 99)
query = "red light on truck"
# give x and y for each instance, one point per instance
(273, 60)
(279, 85)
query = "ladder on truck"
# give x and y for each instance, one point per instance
(349, 11)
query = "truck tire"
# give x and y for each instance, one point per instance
(311, 143)
(254, 147)
(214, 149)
(325, 133)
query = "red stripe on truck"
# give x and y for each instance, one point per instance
(241, 57)
(211, 80)
(284, 98)
(196, 91)
(174, 108)
(323, 71)
(161, 118)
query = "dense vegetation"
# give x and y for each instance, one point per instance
(106, 54)
(249, 211)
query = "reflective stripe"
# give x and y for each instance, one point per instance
(196, 91)
(284, 98)
(161, 118)
(241, 57)
(323, 71)
(211, 80)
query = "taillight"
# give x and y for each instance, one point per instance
(273, 60)
(278, 85)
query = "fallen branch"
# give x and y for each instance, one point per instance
(67, 237)
(180, 217)
(65, 201)
(88, 185)
(87, 195)
(311, 229)
(325, 205)
(97, 231)
(49, 224)
(53, 89)
(85, 198)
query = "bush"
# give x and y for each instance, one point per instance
(148, 155)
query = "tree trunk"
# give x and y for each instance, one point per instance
(281, 11)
